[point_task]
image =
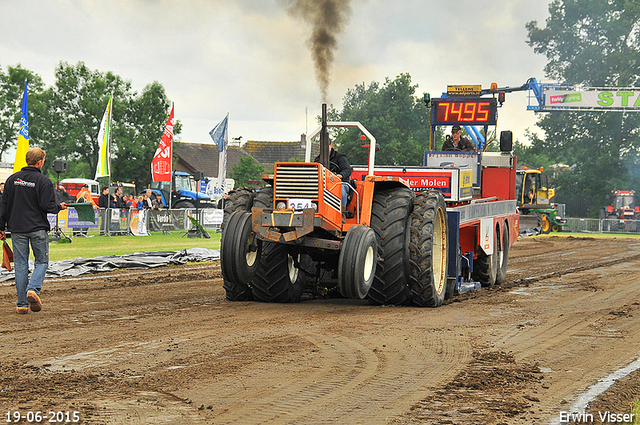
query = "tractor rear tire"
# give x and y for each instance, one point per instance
(428, 248)
(239, 254)
(357, 263)
(503, 256)
(278, 279)
(485, 268)
(390, 220)
(238, 199)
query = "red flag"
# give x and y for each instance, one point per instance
(161, 164)
(7, 255)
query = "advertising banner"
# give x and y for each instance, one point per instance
(598, 99)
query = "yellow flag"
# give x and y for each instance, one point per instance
(23, 136)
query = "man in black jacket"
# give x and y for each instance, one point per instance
(339, 164)
(27, 198)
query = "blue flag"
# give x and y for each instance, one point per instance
(219, 134)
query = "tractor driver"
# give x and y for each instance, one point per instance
(456, 142)
(339, 164)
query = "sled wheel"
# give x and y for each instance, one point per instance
(503, 256)
(485, 268)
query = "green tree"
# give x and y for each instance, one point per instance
(11, 93)
(72, 114)
(247, 170)
(595, 43)
(398, 120)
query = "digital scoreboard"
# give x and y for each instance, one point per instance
(475, 111)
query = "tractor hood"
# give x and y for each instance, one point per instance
(191, 194)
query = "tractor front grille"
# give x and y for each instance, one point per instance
(296, 181)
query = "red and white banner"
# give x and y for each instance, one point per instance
(161, 164)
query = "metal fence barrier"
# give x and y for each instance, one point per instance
(112, 221)
(594, 225)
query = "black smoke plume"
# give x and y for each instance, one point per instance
(327, 19)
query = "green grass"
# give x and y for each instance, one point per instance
(118, 245)
(635, 410)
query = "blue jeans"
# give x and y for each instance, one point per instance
(345, 195)
(40, 246)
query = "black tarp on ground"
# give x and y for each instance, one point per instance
(137, 261)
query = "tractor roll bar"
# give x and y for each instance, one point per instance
(344, 124)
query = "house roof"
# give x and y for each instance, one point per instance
(268, 153)
(203, 157)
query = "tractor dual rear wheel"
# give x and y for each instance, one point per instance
(390, 222)
(238, 199)
(428, 248)
(283, 270)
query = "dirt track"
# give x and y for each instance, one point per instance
(163, 346)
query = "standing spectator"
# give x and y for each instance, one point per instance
(103, 200)
(116, 199)
(148, 200)
(28, 197)
(140, 202)
(61, 194)
(131, 203)
(1, 188)
(83, 196)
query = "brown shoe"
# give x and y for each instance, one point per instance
(34, 301)
(22, 310)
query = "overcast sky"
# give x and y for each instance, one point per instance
(251, 58)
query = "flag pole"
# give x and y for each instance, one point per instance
(109, 143)
(171, 182)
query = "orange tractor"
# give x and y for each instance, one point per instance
(391, 244)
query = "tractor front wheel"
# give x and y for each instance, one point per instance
(357, 262)
(239, 250)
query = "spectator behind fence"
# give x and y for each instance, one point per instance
(147, 202)
(103, 200)
(126, 204)
(85, 196)
(157, 202)
(116, 199)
(131, 203)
